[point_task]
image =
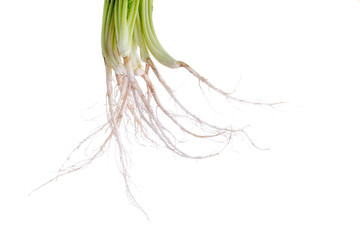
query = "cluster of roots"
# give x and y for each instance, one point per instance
(129, 101)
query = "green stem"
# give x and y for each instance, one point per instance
(150, 37)
(127, 26)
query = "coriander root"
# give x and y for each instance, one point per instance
(129, 45)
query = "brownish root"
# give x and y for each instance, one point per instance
(132, 99)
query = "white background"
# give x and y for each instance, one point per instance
(305, 187)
